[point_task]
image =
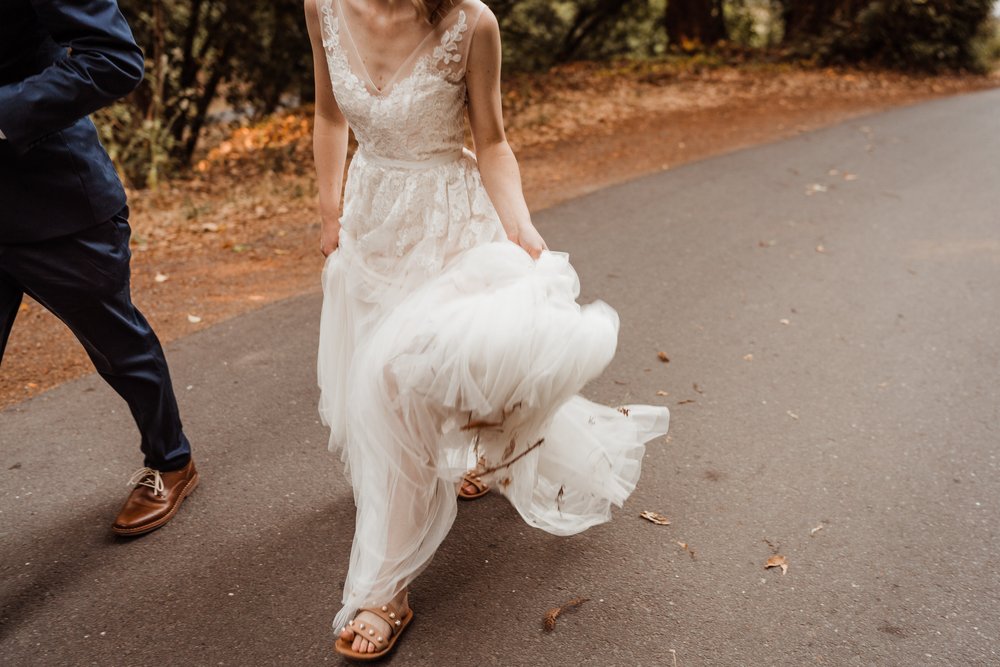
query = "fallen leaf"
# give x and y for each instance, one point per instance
(194, 319)
(685, 547)
(820, 249)
(815, 530)
(697, 388)
(814, 188)
(662, 393)
(767, 244)
(161, 278)
(686, 401)
(663, 357)
(747, 357)
(209, 227)
(777, 561)
(785, 321)
(850, 177)
(833, 172)
(549, 621)
(658, 519)
(791, 414)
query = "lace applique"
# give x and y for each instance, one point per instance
(336, 59)
(446, 52)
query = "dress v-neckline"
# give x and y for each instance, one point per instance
(392, 81)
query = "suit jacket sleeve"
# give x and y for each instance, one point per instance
(103, 63)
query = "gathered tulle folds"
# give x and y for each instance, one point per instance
(454, 354)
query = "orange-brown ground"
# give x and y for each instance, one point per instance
(242, 232)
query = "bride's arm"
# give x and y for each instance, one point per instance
(497, 163)
(329, 138)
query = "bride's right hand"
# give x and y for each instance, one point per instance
(329, 238)
(529, 239)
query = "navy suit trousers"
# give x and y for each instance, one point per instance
(83, 279)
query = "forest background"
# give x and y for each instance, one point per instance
(254, 55)
(215, 145)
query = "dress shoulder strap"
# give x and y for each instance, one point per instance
(329, 23)
(455, 29)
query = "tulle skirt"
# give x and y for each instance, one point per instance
(479, 366)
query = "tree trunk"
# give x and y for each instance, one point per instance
(694, 21)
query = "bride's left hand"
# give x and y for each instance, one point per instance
(528, 238)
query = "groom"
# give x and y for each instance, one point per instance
(64, 233)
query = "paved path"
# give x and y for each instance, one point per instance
(860, 441)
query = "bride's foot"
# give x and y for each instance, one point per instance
(359, 632)
(472, 487)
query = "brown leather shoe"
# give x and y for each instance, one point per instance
(155, 499)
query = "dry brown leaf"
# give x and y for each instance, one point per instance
(194, 319)
(685, 547)
(662, 393)
(685, 401)
(785, 321)
(161, 278)
(509, 450)
(791, 414)
(697, 388)
(658, 519)
(820, 249)
(663, 357)
(549, 621)
(747, 357)
(815, 530)
(777, 561)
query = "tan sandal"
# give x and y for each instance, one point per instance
(482, 488)
(383, 645)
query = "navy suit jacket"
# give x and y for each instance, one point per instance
(60, 60)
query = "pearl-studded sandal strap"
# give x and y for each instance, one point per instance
(387, 613)
(476, 481)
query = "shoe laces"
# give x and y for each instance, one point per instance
(148, 477)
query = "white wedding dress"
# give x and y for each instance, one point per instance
(442, 344)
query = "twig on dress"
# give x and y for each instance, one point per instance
(514, 460)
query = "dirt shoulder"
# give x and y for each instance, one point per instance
(242, 233)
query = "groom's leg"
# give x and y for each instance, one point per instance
(10, 301)
(83, 279)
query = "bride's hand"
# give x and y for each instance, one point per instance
(329, 239)
(528, 238)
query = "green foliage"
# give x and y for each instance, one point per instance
(928, 35)
(538, 34)
(753, 24)
(931, 35)
(239, 60)
(198, 52)
(987, 44)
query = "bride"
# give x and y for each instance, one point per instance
(451, 344)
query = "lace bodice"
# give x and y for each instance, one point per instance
(419, 114)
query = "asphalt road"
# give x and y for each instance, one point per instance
(860, 441)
